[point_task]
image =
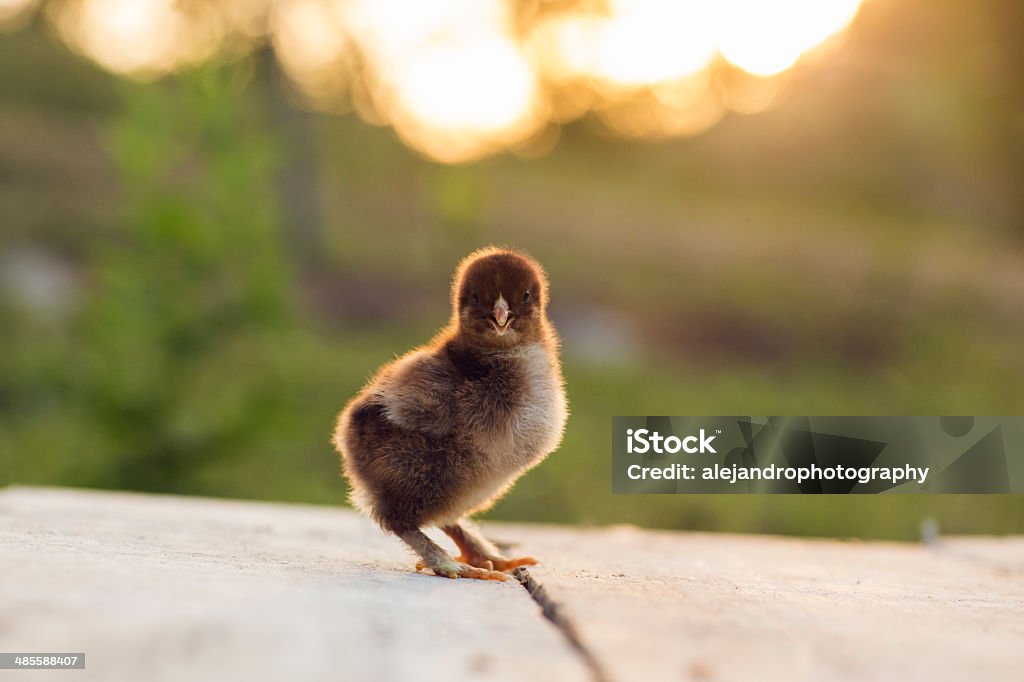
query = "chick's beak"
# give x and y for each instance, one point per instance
(501, 311)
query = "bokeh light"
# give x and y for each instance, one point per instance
(461, 79)
(12, 11)
(448, 76)
(640, 43)
(144, 38)
(314, 49)
(766, 38)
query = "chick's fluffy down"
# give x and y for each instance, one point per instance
(443, 431)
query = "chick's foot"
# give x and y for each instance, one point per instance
(478, 551)
(449, 568)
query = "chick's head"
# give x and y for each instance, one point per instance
(499, 298)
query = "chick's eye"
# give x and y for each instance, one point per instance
(526, 297)
(476, 299)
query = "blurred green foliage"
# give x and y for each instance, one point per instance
(200, 354)
(163, 368)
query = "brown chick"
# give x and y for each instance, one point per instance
(445, 430)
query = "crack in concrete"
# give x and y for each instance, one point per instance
(554, 612)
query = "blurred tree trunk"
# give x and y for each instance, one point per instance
(298, 180)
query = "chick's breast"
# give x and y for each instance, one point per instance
(518, 411)
(514, 414)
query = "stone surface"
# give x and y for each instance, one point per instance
(660, 605)
(172, 588)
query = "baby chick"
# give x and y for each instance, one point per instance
(445, 430)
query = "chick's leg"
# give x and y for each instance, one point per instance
(438, 561)
(477, 551)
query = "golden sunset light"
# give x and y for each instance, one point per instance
(448, 76)
(462, 79)
(766, 38)
(641, 42)
(455, 102)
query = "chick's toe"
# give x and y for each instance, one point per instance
(495, 563)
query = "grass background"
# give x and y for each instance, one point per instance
(196, 275)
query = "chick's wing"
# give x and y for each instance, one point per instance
(418, 393)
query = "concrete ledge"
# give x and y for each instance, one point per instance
(662, 605)
(173, 588)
